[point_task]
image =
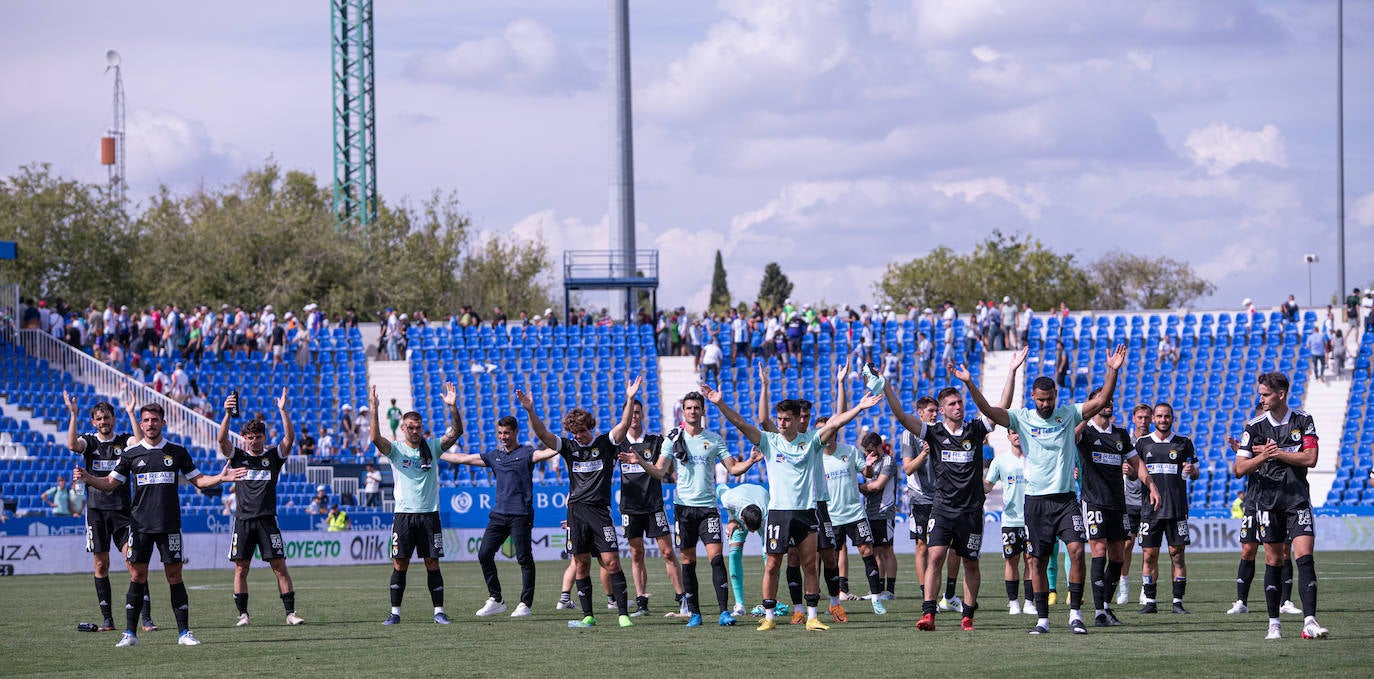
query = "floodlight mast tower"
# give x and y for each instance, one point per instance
(112, 144)
(355, 121)
(622, 213)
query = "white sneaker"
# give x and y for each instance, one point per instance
(293, 619)
(739, 611)
(492, 607)
(565, 605)
(957, 604)
(127, 640)
(243, 620)
(521, 611)
(950, 604)
(850, 596)
(1311, 630)
(1289, 608)
(887, 596)
(187, 639)
(1238, 607)
(1028, 608)
(1143, 600)
(1123, 591)
(611, 606)
(1013, 608)
(1275, 631)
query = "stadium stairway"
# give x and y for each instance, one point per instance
(1327, 404)
(677, 377)
(39, 424)
(392, 379)
(995, 365)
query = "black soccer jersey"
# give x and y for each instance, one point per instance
(957, 465)
(100, 458)
(640, 492)
(590, 469)
(1100, 454)
(256, 492)
(1164, 461)
(1278, 485)
(883, 504)
(153, 471)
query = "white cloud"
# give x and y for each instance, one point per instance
(1363, 210)
(525, 57)
(1220, 147)
(1028, 200)
(165, 148)
(984, 54)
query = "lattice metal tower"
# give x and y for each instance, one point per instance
(112, 145)
(355, 122)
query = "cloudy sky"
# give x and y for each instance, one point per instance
(832, 137)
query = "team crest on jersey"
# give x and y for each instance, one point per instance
(405, 464)
(1295, 435)
(166, 460)
(1173, 454)
(1059, 420)
(773, 544)
(1118, 446)
(967, 445)
(264, 462)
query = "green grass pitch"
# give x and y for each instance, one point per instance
(344, 607)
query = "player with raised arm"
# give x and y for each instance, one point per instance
(591, 464)
(642, 514)
(1169, 462)
(415, 527)
(843, 462)
(512, 516)
(1279, 447)
(154, 463)
(255, 520)
(693, 453)
(107, 514)
(1052, 509)
(789, 457)
(919, 485)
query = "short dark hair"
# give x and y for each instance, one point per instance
(751, 517)
(694, 396)
(804, 405)
(924, 401)
(413, 415)
(154, 409)
(1276, 381)
(1096, 390)
(1044, 383)
(1163, 404)
(102, 405)
(788, 405)
(871, 440)
(637, 403)
(253, 426)
(946, 393)
(508, 422)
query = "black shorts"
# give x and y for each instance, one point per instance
(1104, 523)
(590, 530)
(418, 534)
(1014, 542)
(859, 533)
(104, 526)
(917, 520)
(650, 525)
(1249, 528)
(884, 531)
(1050, 518)
(787, 528)
(1132, 521)
(260, 533)
(1282, 525)
(963, 532)
(140, 547)
(825, 529)
(696, 524)
(1153, 532)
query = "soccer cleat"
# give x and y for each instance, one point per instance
(639, 612)
(1149, 608)
(766, 625)
(1290, 609)
(798, 617)
(782, 609)
(694, 621)
(850, 596)
(950, 604)
(1123, 591)
(815, 625)
(584, 623)
(491, 607)
(1013, 608)
(243, 620)
(957, 604)
(187, 639)
(521, 611)
(564, 605)
(393, 619)
(683, 608)
(878, 607)
(1311, 630)
(1054, 597)
(1028, 608)
(1179, 609)
(838, 614)
(1112, 619)
(757, 611)
(625, 621)
(1101, 621)
(739, 611)
(1040, 629)
(1077, 627)
(926, 623)
(293, 619)
(1238, 607)
(127, 640)
(887, 596)
(149, 625)
(441, 619)
(106, 625)
(1275, 632)
(725, 619)
(610, 605)
(966, 624)
(1142, 600)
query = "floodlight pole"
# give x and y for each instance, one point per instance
(1340, 152)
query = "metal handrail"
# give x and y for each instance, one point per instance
(610, 264)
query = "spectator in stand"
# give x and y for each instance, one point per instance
(362, 427)
(325, 445)
(498, 318)
(348, 430)
(320, 503)
(372, 486)
(180, 388)
(1061, 365)
(160, 382)
(307, 445)
(391, 327)
(229, 501)
(948, 330)
(1023, 324)
(1290, 310)
(796, 330)
(1338, 354)
(1317, 346)
(739, 334)
(277, 339)
(778, 348)
(694, 344)
(925, 356)
(62, 500)
(1168, 351)
(710, 361)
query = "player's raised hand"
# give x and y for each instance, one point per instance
(1117, 358)
(843, 372)
(281, 401)
(633, 387)
(525, 399)
(450, 396)
(373, 400)
(128, 399)
(870, 400)
(711, 395)
(763, 373)
(71, 402)
(229, 402)
(960, 371)
(1018, 359)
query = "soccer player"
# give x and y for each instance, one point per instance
(641, 507)
(1170, 461)
(107, 514)
(1280, 446)
(512, 516)
(842, 463)
(415, 527)
(792, 515)
(915, 453)
(693, 452)
(1052, 510)
(1140, 426)
(880, 506)
(1250, 543)
(155, 517)
(591, 464)
(1104, 451)
(747, 507)
(255, 520)
(1011, 470)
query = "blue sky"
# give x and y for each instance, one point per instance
(832, 137)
